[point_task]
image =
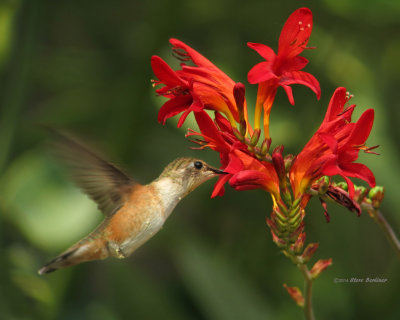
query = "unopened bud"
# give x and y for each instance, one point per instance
(278, 241)
(376, 195)
(296, 203)
(296, 218)
(342, 185)
(296, 295)
(265, 146)
(295, 210)
(237, 134)
(278, 149)
(278, 223)
(243, 127)
(275, 227)
(309, 252)
(288, 160)
(282, 208)
(280, 216)
(268, 158)
(287, 197)
(359, 193)
(277, 160)
(271, 224)
(255, 137)
(320, 266)
(295, 234)
(323, 185)
(297, 247)
(239, 91)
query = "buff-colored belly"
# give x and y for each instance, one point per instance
(135, 223)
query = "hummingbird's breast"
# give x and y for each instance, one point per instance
(142, 215)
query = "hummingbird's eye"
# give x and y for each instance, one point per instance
(198, 165)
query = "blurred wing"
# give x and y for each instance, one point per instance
(103, 182)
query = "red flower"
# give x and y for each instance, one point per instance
(334, 147)
(244, 172)
(255, 174)
(345, 153)
(193, 88)
(176, 89)
(283, 69)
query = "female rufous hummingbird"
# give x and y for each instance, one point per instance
(134, 212)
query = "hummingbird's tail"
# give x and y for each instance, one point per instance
(78, 253)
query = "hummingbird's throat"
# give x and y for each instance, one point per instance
(170, 193)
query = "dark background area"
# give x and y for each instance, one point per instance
(85, 66)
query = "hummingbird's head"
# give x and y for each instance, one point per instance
(189, 173)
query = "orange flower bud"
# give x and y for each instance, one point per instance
(309, 251)
(320, 266)
(296, 294)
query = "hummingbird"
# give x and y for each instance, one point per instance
(133, 212)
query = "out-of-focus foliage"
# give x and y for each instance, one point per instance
(84, 66)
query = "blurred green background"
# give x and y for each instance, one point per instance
(85, 66)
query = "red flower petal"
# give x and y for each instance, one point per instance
(164, 72)
(362, 128)
(360, 171)
(264, 51)
(210, 131)
(223, 123)
(248, 180)
(174, 106)
(295, 33)
(289, 93)
(301, 77)
(282, 64)
(329, 140)
(196, 57)
(200, 74)
(235, 164)
(260, 72)
(219, 188)
(194, 107)
(336, 104)
(212, 99)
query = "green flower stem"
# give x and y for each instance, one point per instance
(385, 227)
(288, 215)
(378, 217)
(308, 281)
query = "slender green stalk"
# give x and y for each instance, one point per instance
(289, 214)
(308, 281)
(385, 227)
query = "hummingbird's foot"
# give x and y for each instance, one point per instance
(120, 254)
(116, 251)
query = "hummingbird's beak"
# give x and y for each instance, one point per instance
(217, 171)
